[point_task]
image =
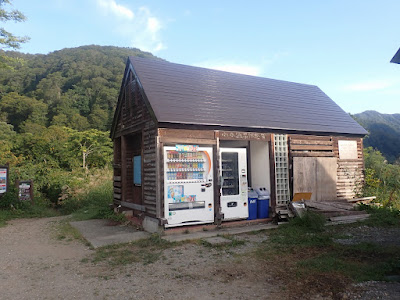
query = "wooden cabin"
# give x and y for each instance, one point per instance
(296, 139)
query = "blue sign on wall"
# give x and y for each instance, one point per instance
(137, 170)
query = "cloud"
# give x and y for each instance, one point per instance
(110, 6)
(139, 26)
(241, 68)
(369, 85)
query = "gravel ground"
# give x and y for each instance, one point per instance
(36, 265)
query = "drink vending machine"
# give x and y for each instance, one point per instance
(234, 202)
(188, 185)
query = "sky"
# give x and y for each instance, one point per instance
(343, 47)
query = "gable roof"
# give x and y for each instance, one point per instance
(396, 57)
(181, 94)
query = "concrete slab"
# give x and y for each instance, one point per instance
(98, 233)
(211, 233)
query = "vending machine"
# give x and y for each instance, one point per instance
(188, 185)
(234, 202)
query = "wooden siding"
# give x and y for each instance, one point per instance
(117, 169)
(311, 146)
(350, 172)
(135, 119)
(316, 175)
(149, 167)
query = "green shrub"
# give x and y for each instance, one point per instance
(381, 216)
(310, 220)
(9, 199)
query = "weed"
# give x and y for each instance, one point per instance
(359, 262)
(226, 246)
(307, 249)
(64, 231)
(146, 251)
(26, 210)
(381, 216)
(85, 260)
(310, 221)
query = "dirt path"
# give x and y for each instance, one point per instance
(35, 265)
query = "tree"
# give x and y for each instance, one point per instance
(7, 39)
(18, 110)
(7, 140)
(94, 147)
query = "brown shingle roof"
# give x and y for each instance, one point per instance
(184, 94)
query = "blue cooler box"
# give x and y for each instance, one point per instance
(252, 197)
(262, 203)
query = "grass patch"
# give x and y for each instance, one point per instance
(26, 210)
(64, 231)
(308, 231)
(361, 262)
(304, 255)
(234, 242)
(381, 216)
(146, 251)
(88, 198)
(94, 204)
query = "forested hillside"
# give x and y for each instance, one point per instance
(76, 87)
(55, 114)
(384, 133)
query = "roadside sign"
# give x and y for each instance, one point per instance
(3, 179)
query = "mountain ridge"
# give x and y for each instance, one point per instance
(74, 87)
(384, 132)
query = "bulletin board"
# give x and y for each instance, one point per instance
(3, 180)
(25, 190)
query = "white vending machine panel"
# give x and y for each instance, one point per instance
(188, 185)
(234, 202)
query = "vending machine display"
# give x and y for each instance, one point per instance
(188, 185)
(234, 202)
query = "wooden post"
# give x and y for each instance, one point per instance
(124, 183)
(272, 174)
(217, 183)
(159, 184)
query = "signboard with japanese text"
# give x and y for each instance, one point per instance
(3, 179)
(25, 190)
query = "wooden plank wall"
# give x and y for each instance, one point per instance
(350, 173)
(149, 166)
(135, 118)
(310, 146)
(316, 175)
(117, 169)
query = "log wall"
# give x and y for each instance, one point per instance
(135, 120)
